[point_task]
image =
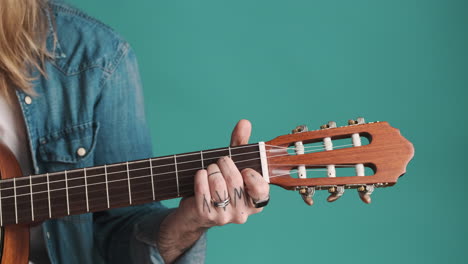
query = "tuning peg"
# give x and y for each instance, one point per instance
(365, 192)
(358, 121)
(335, 193)
(330, 124)
(307, 193)
(299, 129)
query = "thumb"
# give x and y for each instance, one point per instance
(241, 133)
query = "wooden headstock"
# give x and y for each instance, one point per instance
(387, 154)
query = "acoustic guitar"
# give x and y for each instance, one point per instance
(304, 161)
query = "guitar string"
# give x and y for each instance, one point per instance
(166, 157)
(315, 170)
(94, 203)
(123, 194)
(143, 168)
(132, 170)
(132, 184)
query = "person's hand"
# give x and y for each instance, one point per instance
(223, 181)
(218, 183)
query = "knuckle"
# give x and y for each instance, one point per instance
(241, 219)
(217, 183)
(222, 220)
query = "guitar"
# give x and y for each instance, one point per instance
(376, 152)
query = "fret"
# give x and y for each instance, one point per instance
(48, 196)
(177, 175)
(187, 166)
(165, 182)
(40, 197)
(214, 155)
(202, 161)
(86, 190)
(229, 148)
(247, 157)
(97, 189)
(141, 181)
(77, 191)
(152, 178)
(129, 188)
(118, 185)
(16, 202)
(22, 196)
(57, 194)
(1, 210)
(66, 191)
(107, 186)
(31, 195)
(8, 203)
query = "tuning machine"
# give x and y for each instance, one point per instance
(307, 193)
(300, 129)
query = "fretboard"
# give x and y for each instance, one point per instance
(52, 195)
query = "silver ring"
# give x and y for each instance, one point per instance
(223, 203)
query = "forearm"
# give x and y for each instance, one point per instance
(176, 236)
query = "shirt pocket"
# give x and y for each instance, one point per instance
(72, 147)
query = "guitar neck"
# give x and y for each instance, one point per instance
(40, 197)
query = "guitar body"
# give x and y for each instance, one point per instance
(14, 239)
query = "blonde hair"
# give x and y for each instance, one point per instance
(23, 35)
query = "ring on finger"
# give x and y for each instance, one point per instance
(261, 203)
(222, 204)
(213, 173)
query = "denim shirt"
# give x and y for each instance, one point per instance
(91, 98)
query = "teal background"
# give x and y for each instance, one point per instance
(206, 64)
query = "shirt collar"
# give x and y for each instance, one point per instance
(53, 44)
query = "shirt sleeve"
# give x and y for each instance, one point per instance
(127, 235)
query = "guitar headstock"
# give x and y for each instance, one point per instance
(320, 160)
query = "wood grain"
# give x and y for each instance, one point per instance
(388, 153)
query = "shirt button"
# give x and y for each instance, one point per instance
(28, 100)
(81, 152)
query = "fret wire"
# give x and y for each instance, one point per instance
(48, 196)
(1, 213)
(122, 194)
(143, 176)
(169, 194)
(202, 161)
(31, 194)
(16, 203)
(177, 175)
(152, 179)
(129, 189)
(237, 162)
(184, 192)
(107, 186)
(139, 161)
(230, 156)
(86, 190)
(66, 190)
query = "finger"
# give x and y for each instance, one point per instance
(217, 185)
(256, 187)
(241, 133)
(202, 192)
(234, 182)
